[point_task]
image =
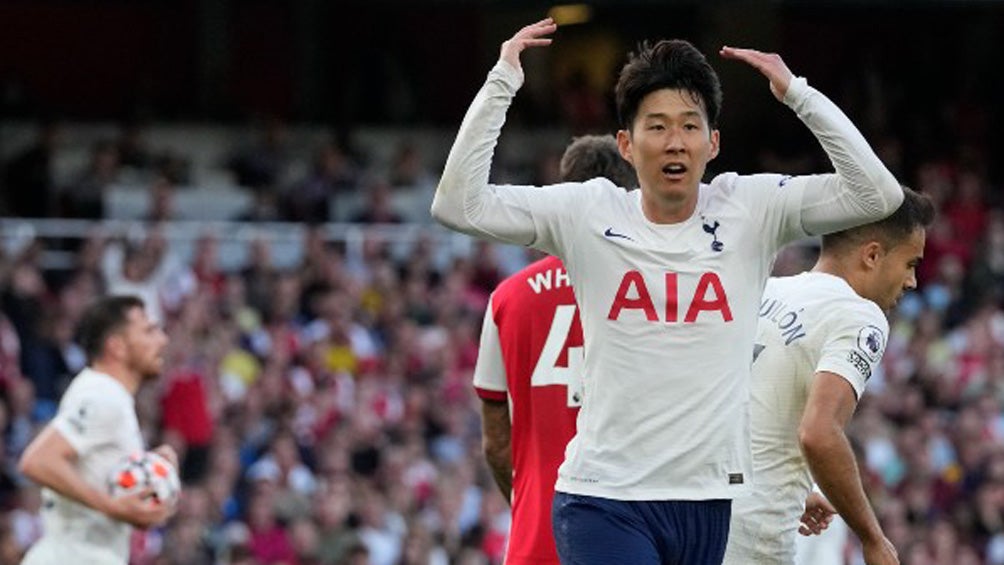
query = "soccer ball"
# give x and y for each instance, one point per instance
(146, 469)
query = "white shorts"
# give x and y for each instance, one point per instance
(49, 551)
(825, 549)
(762, 530)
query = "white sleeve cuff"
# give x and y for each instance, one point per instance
(512, 76)
(797, 89)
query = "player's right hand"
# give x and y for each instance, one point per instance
(879, 552)
(530, 36)
(140, 509)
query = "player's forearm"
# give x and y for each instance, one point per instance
(835, 469)
(870, 192)
(463, 196)
(502, 473)
(498, 455)
(496, 440)
(61, 476)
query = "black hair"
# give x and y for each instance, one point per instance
(592, 156)
(101, 319)
(673, 64)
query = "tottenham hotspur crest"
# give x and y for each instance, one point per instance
(712, 228)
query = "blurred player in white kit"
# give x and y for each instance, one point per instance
(93, 431)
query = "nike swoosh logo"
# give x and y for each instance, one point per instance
(784, 180)
(611, 233)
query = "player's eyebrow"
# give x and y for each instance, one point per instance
(665, 116)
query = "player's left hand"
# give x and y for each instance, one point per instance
(167, 452)
(770, 64)
(817, 516)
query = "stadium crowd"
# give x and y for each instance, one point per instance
(324, 414)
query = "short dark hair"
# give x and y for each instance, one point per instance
(101, 319)
(916, 211)
(670, 63)
(592, 156)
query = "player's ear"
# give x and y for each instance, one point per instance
(715, 140)
(624, 145)
(871, 254)
(115, 345)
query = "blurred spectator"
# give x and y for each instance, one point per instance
(29, 182)
(9, 478)
(379, 209)
(408, 169)
(10, 354)
(46, 362)
(986, 278)
(23, 297)
(161, 207)
(966, 210)
(187, 421)
(583, 107)
(206, 264)
(270, 541)
(264, 207)
(85, 197)
(132, 146)
(332, 173)
(262, 166)
(140, 268)
(332, 511)
(259, 274)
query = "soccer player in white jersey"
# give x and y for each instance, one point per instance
(668, 279)
(93, 431)
(820, 336)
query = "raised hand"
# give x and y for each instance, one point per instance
(530, 36)
(770, 64)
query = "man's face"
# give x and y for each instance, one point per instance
(896, 271)
(145, 342)
(670, 144)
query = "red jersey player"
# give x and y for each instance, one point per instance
(529, 363)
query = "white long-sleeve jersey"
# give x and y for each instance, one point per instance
(668, 310)
(809, 323)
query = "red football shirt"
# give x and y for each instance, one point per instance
(531, 355)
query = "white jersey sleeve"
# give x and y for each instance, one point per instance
(862, 190)
(855, 344)
(523, 215)
(489, 371)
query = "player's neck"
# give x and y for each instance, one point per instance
(834, 266)
(661, 210)
(129, 379)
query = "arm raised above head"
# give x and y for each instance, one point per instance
(863, 190)
(464, 201)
